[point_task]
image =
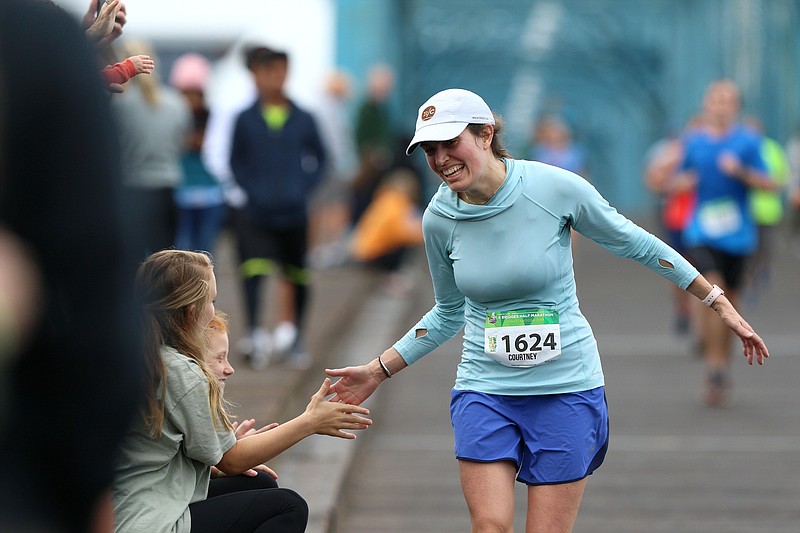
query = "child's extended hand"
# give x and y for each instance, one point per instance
(334, 418)
(144, 64)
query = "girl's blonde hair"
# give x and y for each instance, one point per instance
(173, 285)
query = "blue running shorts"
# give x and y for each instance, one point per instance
(555, 438)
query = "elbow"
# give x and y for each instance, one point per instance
(231, 463)
(228, 467)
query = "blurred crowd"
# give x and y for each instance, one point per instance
(295, 188)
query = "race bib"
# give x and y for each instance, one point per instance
(522, 338)
(719, 218)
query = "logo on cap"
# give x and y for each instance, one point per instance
(428, 112)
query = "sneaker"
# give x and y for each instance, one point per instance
(717, 392)
(245, 346)
(261, 352)
(682, 325)
(284, 336)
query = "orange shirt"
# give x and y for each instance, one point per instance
(390, 222)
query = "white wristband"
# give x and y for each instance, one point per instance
(715, 293)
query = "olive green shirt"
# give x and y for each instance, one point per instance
(157, 479)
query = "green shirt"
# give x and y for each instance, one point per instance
(275, 116)
(767, 206)
(157, 479)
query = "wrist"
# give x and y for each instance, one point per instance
(713, 296)
(719, 303)
(384, 368)
(376, 370)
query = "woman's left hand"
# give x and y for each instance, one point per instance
(753, 346)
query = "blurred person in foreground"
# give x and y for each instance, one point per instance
(723, 159)
(277, 158)
(71, 384)
(529, 397)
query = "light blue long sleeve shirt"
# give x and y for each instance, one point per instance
(515, 253)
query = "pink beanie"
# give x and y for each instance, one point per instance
(190, 72)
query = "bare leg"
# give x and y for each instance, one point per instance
(489, 491)
(554, 508)
(286, 307)
(717, 349)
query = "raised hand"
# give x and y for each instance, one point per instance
(355, 384)
(333, 418)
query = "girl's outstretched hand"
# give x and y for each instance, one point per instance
(333, 418)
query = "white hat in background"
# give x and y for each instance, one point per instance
(446, 114)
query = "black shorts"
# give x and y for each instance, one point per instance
(283, 248)
(730, 267)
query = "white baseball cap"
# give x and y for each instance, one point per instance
(446, 114)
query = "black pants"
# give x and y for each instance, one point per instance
(265, 251)
(242, 504)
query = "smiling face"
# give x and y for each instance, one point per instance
(461, 163)
(217, 358)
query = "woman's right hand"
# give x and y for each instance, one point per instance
(355, 384)
(333, 418)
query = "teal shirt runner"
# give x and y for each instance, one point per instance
(515, 254)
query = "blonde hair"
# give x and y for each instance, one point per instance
(172, 285)
(150, 85)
